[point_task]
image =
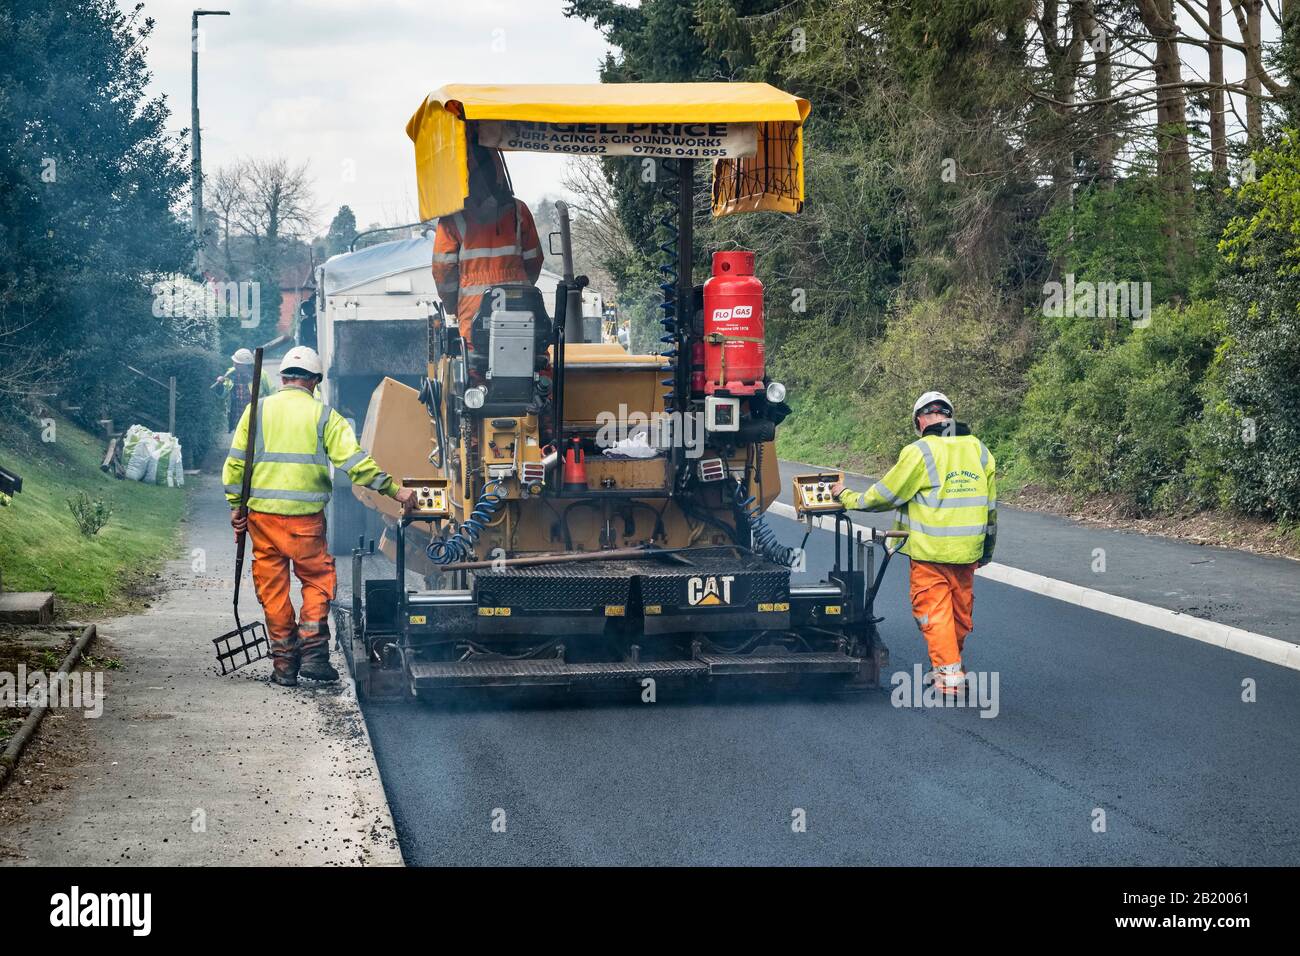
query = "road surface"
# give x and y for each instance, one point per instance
(1113, 744)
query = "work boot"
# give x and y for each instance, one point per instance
(318, 670)
(284, 679)
(315, 637)
(950, 680)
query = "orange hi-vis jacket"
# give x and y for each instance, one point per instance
(470, 257)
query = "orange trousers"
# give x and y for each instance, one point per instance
(943, 600)
(282, 542)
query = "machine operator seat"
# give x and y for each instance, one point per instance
(509, 338)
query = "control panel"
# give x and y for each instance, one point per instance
(812, 493)
(431, 497)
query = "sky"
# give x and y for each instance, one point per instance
(333, 82)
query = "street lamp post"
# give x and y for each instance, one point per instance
(196, 157)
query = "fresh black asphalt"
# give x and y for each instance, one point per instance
(1096, 716)
(1250, 591)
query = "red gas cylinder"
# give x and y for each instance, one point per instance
(733, 326)
(697, 368)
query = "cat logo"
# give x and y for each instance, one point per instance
(711, 591)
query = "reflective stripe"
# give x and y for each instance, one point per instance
(489, 252)
(532, 254)
(289, 495)
(285, 495)
(958, 531)
(292, 458)
(984, 457)
(477, 289)
(971, 501)
(260, 442)
(444, 257)
(237, 454)
(355, 460)
(882, 489)
(320, 428)
(930, 468)
(380, 481)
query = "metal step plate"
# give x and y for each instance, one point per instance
(810, 663)
(427, 675)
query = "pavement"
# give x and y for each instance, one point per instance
(1113, 743)
(186, 767)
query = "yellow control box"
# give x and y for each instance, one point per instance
(431, 497)
(812, 493)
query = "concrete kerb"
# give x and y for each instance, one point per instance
(18, 743)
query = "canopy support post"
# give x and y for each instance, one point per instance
(685, 304)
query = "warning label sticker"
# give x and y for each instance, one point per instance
(661, 140)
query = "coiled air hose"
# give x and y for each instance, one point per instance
(460, 546)
(765, 541)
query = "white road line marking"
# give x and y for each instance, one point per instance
(1260, 646)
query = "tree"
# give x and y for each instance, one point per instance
(269, 203)
(1255, 390)
(225, 191)
(343, 229)
(89, 179)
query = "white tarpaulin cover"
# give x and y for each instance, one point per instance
(351, 269)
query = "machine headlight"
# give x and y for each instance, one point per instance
(775, 392)
(475, 397)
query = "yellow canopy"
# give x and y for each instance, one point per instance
(771, 179)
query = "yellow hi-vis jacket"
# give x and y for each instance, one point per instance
(297, 438)
(946, 495)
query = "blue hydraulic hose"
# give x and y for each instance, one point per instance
(765, 541)
(460, 546)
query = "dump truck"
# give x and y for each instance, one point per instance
(586, 516)
(374, 308)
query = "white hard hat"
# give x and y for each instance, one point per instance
(301, 357)
(929, 398)
(242, 357)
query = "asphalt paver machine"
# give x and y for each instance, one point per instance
(588, 516)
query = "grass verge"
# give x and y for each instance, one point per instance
(41, 548)
(828, 436)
